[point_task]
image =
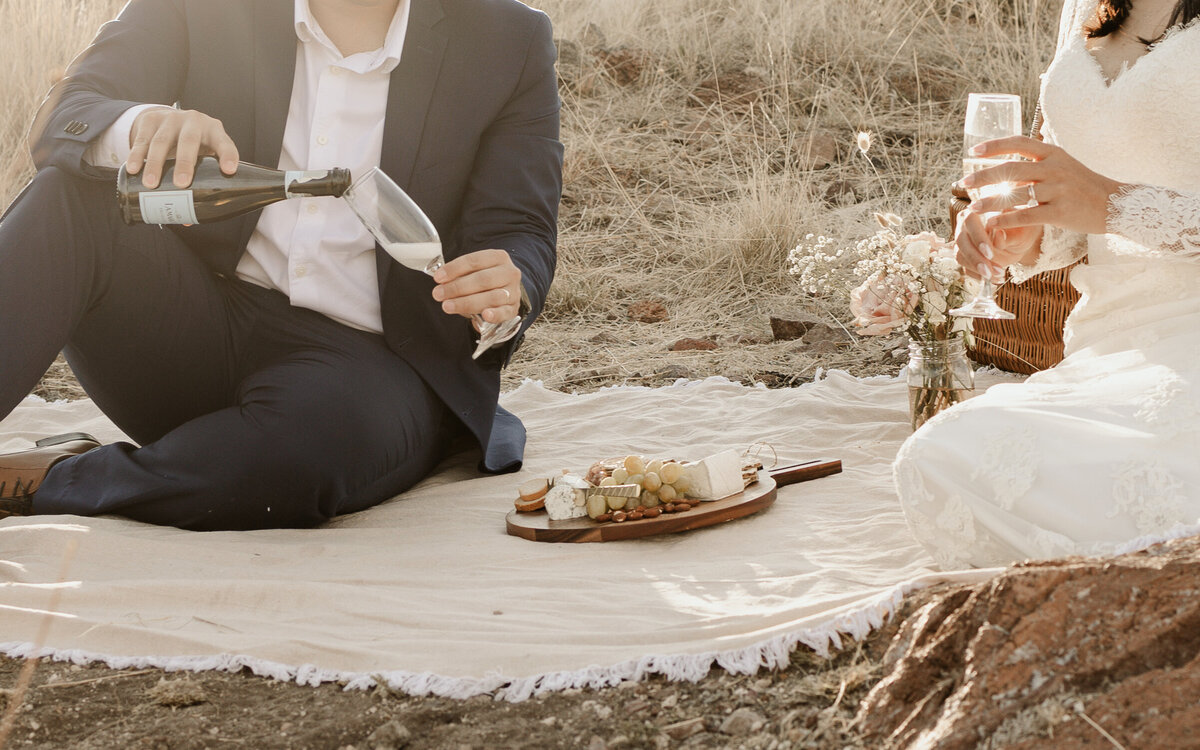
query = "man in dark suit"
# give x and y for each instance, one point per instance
(279, 369)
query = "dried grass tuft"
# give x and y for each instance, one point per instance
(40, 38)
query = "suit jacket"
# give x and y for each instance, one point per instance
(471, 134)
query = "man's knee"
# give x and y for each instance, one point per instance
(72, 200)
(54, 183)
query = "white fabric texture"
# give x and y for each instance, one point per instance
(1102, 449)
(429, 594)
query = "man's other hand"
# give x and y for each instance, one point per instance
(484, 282)
(182, 134)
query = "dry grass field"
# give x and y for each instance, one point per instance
(705, 139)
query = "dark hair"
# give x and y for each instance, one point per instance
(1111, 14)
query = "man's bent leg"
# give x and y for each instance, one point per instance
(336, 424)
(54, 242)
(70, 270)
(150, 331)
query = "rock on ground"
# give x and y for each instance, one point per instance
(1078, 652)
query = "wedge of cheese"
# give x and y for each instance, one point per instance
(714, 477)
(566, 498)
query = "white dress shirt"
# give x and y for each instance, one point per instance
(315, 250)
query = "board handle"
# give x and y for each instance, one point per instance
(805, 471)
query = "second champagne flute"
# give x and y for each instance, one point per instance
(407, 234)
(989, 116)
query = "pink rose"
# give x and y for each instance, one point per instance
(880, 307)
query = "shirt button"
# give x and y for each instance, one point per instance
(322, 140)
(300, 272)
(313, 208)
(335, 70)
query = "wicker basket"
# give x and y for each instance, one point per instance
(1034, 341)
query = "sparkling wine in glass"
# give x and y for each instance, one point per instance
(989, 116)
(406, 233)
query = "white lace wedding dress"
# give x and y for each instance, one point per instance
(1102, 452)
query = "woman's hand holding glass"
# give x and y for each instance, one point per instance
(989, 116)
(984, 249)
(993, 234)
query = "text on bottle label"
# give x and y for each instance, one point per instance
(168, 207)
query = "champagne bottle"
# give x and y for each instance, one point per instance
(214, 195)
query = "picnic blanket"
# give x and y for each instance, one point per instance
(429, 594)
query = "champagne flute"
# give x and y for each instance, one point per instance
(989, 116)
(406, 233)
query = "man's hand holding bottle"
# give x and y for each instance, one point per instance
(485, 282)
(162, 133)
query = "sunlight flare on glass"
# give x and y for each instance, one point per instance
(989, 116)
(406, 233)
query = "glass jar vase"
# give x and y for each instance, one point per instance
(939, 376)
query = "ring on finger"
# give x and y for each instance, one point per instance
(1032, 195)
(507, 295)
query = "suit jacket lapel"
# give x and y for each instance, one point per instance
(409, 93)
(274, 74)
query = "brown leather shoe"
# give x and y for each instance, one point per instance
(21, 473)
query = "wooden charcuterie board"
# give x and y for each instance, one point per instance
(538, 527)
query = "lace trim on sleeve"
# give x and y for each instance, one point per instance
(1060, 248)
(1158, 219)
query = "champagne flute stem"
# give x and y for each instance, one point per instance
(987, 289)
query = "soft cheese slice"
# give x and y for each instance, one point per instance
(714, 477)
(562, 500)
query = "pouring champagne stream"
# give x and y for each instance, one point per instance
(406, 233)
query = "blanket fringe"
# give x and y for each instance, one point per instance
(772, 654)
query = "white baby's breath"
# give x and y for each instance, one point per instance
(895, 281)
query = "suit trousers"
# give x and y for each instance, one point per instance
(249, 412)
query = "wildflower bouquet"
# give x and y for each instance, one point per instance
(908, 282)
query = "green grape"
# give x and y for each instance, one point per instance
(682, 485)
(596, 505)
(651, 481)
(671, 472)
(617, 503)
(620, 474)
(635, 464)
(648, 499)
(608, 482)
(635, 479)
(654, 466)
(667, 493)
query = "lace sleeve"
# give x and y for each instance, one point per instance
(1060, 248)
(1158, 219)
